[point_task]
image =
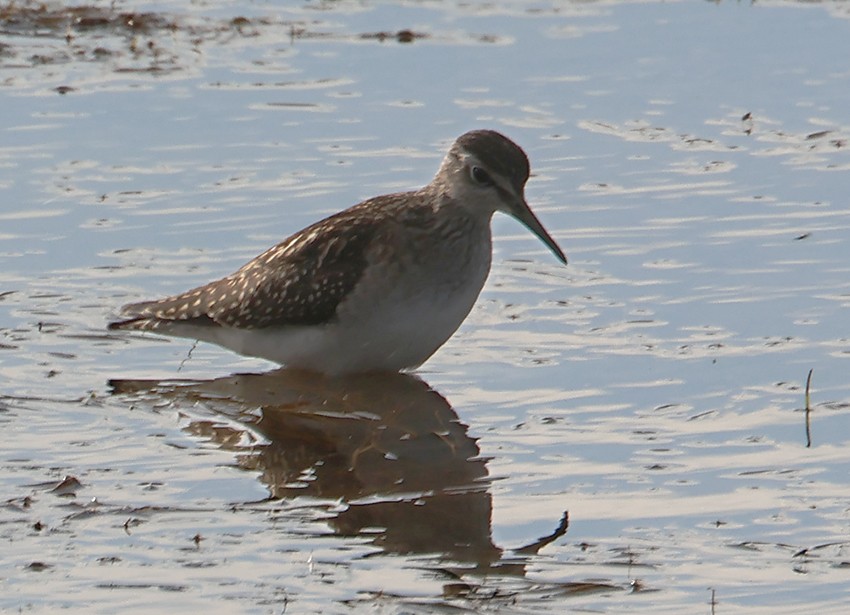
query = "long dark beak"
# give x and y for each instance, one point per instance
(522, 212)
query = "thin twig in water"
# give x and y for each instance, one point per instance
(188, 356)
(809, 410)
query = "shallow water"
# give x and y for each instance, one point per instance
(692, 159)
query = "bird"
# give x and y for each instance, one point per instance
(379, 286)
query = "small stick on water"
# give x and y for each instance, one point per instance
(188, 356)
(713, 602)
(809, 410)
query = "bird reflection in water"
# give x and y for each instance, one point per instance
(386, 445)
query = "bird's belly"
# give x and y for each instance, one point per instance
(400, 325)
(394, 329)
(406, 333)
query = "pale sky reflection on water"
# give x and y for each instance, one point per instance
(690, 158)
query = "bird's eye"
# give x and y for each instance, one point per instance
(481, 177)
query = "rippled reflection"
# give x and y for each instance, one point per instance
(386, 445)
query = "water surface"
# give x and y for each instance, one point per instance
(691, 158)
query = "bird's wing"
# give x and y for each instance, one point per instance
(300, 281)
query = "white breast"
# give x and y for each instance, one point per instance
(401, 312)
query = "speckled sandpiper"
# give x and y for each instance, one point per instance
(377, 287)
